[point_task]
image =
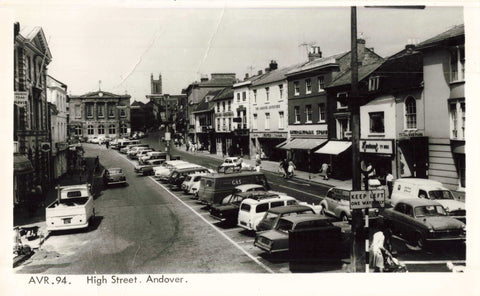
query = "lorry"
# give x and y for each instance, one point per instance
(73, 208)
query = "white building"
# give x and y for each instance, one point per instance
(57, 96)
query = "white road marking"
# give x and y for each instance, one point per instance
(248, 241)
(315, 195)
(216, 229)
(232, 229)
(434, 262)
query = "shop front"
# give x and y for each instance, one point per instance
(22, 179)
(304, 140)
(412, 154)
(338, 155)
(380, 153)
(265, 143)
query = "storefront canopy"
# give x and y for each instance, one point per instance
(459, 149)
(334, 147)
(303, 144)
(279, 146)
(22, 165)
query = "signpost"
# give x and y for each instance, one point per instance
(366, 199)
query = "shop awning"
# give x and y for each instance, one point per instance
(334, 147)
(459, 149)
(303, 144)
(22, 165)
(279, 146)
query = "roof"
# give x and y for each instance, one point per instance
(31, 34)
(226, 93)
(452, 33)
(420, 181)
(317, 63)
(418, 202)
(305, 217)
(96, 94)
(363, 71)
(275, 75)
(256, 194)
(230, 175)
(289, 209)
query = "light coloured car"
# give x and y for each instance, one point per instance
(152, 155)
(132, 153)
(252, 211)
(114, 176)
(192, 183)
(163, 171)
(233, 164)
(146, 169)
(337, 204)
(273, 215)
(143, 153)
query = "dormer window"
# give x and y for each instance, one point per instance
(373, 83)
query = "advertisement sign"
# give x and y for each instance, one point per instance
(367, 199)
(21, 98)
(376, 146)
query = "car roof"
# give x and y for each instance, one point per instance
(248, 186)
(418, 202)
(255, 194)
(420, 181)
(305, 217)
(193, 167)
(111, 169)
(274, 196)
(237, 174)
(232, 158)
(289, 209)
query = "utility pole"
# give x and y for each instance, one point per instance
(357, 254)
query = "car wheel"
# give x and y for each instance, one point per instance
(344, 217)
(322, 210)
(419, 241)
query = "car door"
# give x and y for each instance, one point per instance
(330, 199)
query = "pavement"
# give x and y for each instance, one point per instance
(272, 166)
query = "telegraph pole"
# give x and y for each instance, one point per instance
(357, 253)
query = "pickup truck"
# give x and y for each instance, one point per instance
(73, 208)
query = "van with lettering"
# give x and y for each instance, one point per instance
(214, 187)
(428, 189)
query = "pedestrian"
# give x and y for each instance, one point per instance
(291, 168)
(389, 181)
(285, 167)
(324, 170)
(107, 144)
(376, 251)
(258, 162)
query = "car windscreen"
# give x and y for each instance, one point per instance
(114, 171)
(440, 194)
(284, 225)
(429, 211)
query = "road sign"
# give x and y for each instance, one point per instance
(367, 199)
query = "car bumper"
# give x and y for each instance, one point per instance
(244, 225)
(116, 182)
(67, 226)
(221, 219)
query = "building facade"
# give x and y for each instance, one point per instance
(445, 106)
(57, 97)
(204, 136)
(223, 120)
(31, 124)
(99, 114)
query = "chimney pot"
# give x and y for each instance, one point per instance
(273, 65)
(260, 72)
(246, 75)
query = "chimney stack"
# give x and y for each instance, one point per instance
(314, 53)
(246, 76)
(360, 49)
(204, 78)
(273, 65)
(16, 29)
(260, 72)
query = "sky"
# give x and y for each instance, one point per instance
(121, 43)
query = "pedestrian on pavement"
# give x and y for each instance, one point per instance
(285, 167)
(291, 169)
(324, 170)
(281, 168)
(258, 162)
(389, 181)
(107, 144)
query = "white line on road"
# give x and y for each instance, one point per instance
(434, 262)
(299, 190)
(216, 229)
(232, 229)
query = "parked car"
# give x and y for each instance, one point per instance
(215, 187)
(132, 153)
(430, 189)
(244, 188)
(162, 173)
(233, 164)
(337, 204)
(273, 215)
(191, 183)
(178, 175)
(73, 209)
(228, 211)
(93, 140)
(277, 239)
(112, 176)
(147, 168)
(252, 211)
(143, 153)
(152, 155)
(128, 147)
(423, 221)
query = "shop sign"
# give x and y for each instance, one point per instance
(411, 133)
(268, 135)
(376, 146)
(21, 98)
(267, 107)
(366, 199)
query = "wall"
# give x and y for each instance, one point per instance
(274, 105)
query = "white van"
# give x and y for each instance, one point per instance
(430, 189)
(251, 211)
(163, 172)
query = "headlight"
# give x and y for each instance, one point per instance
(464, 228)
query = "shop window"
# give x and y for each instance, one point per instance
(411, 113)
(377, 122)
(90, 130)
(267, 121)
(296, 111)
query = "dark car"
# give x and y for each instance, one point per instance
(228, 211)
(277, 239)
(273, 215)
(423, 221)
(147, 169)
(114, 176)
